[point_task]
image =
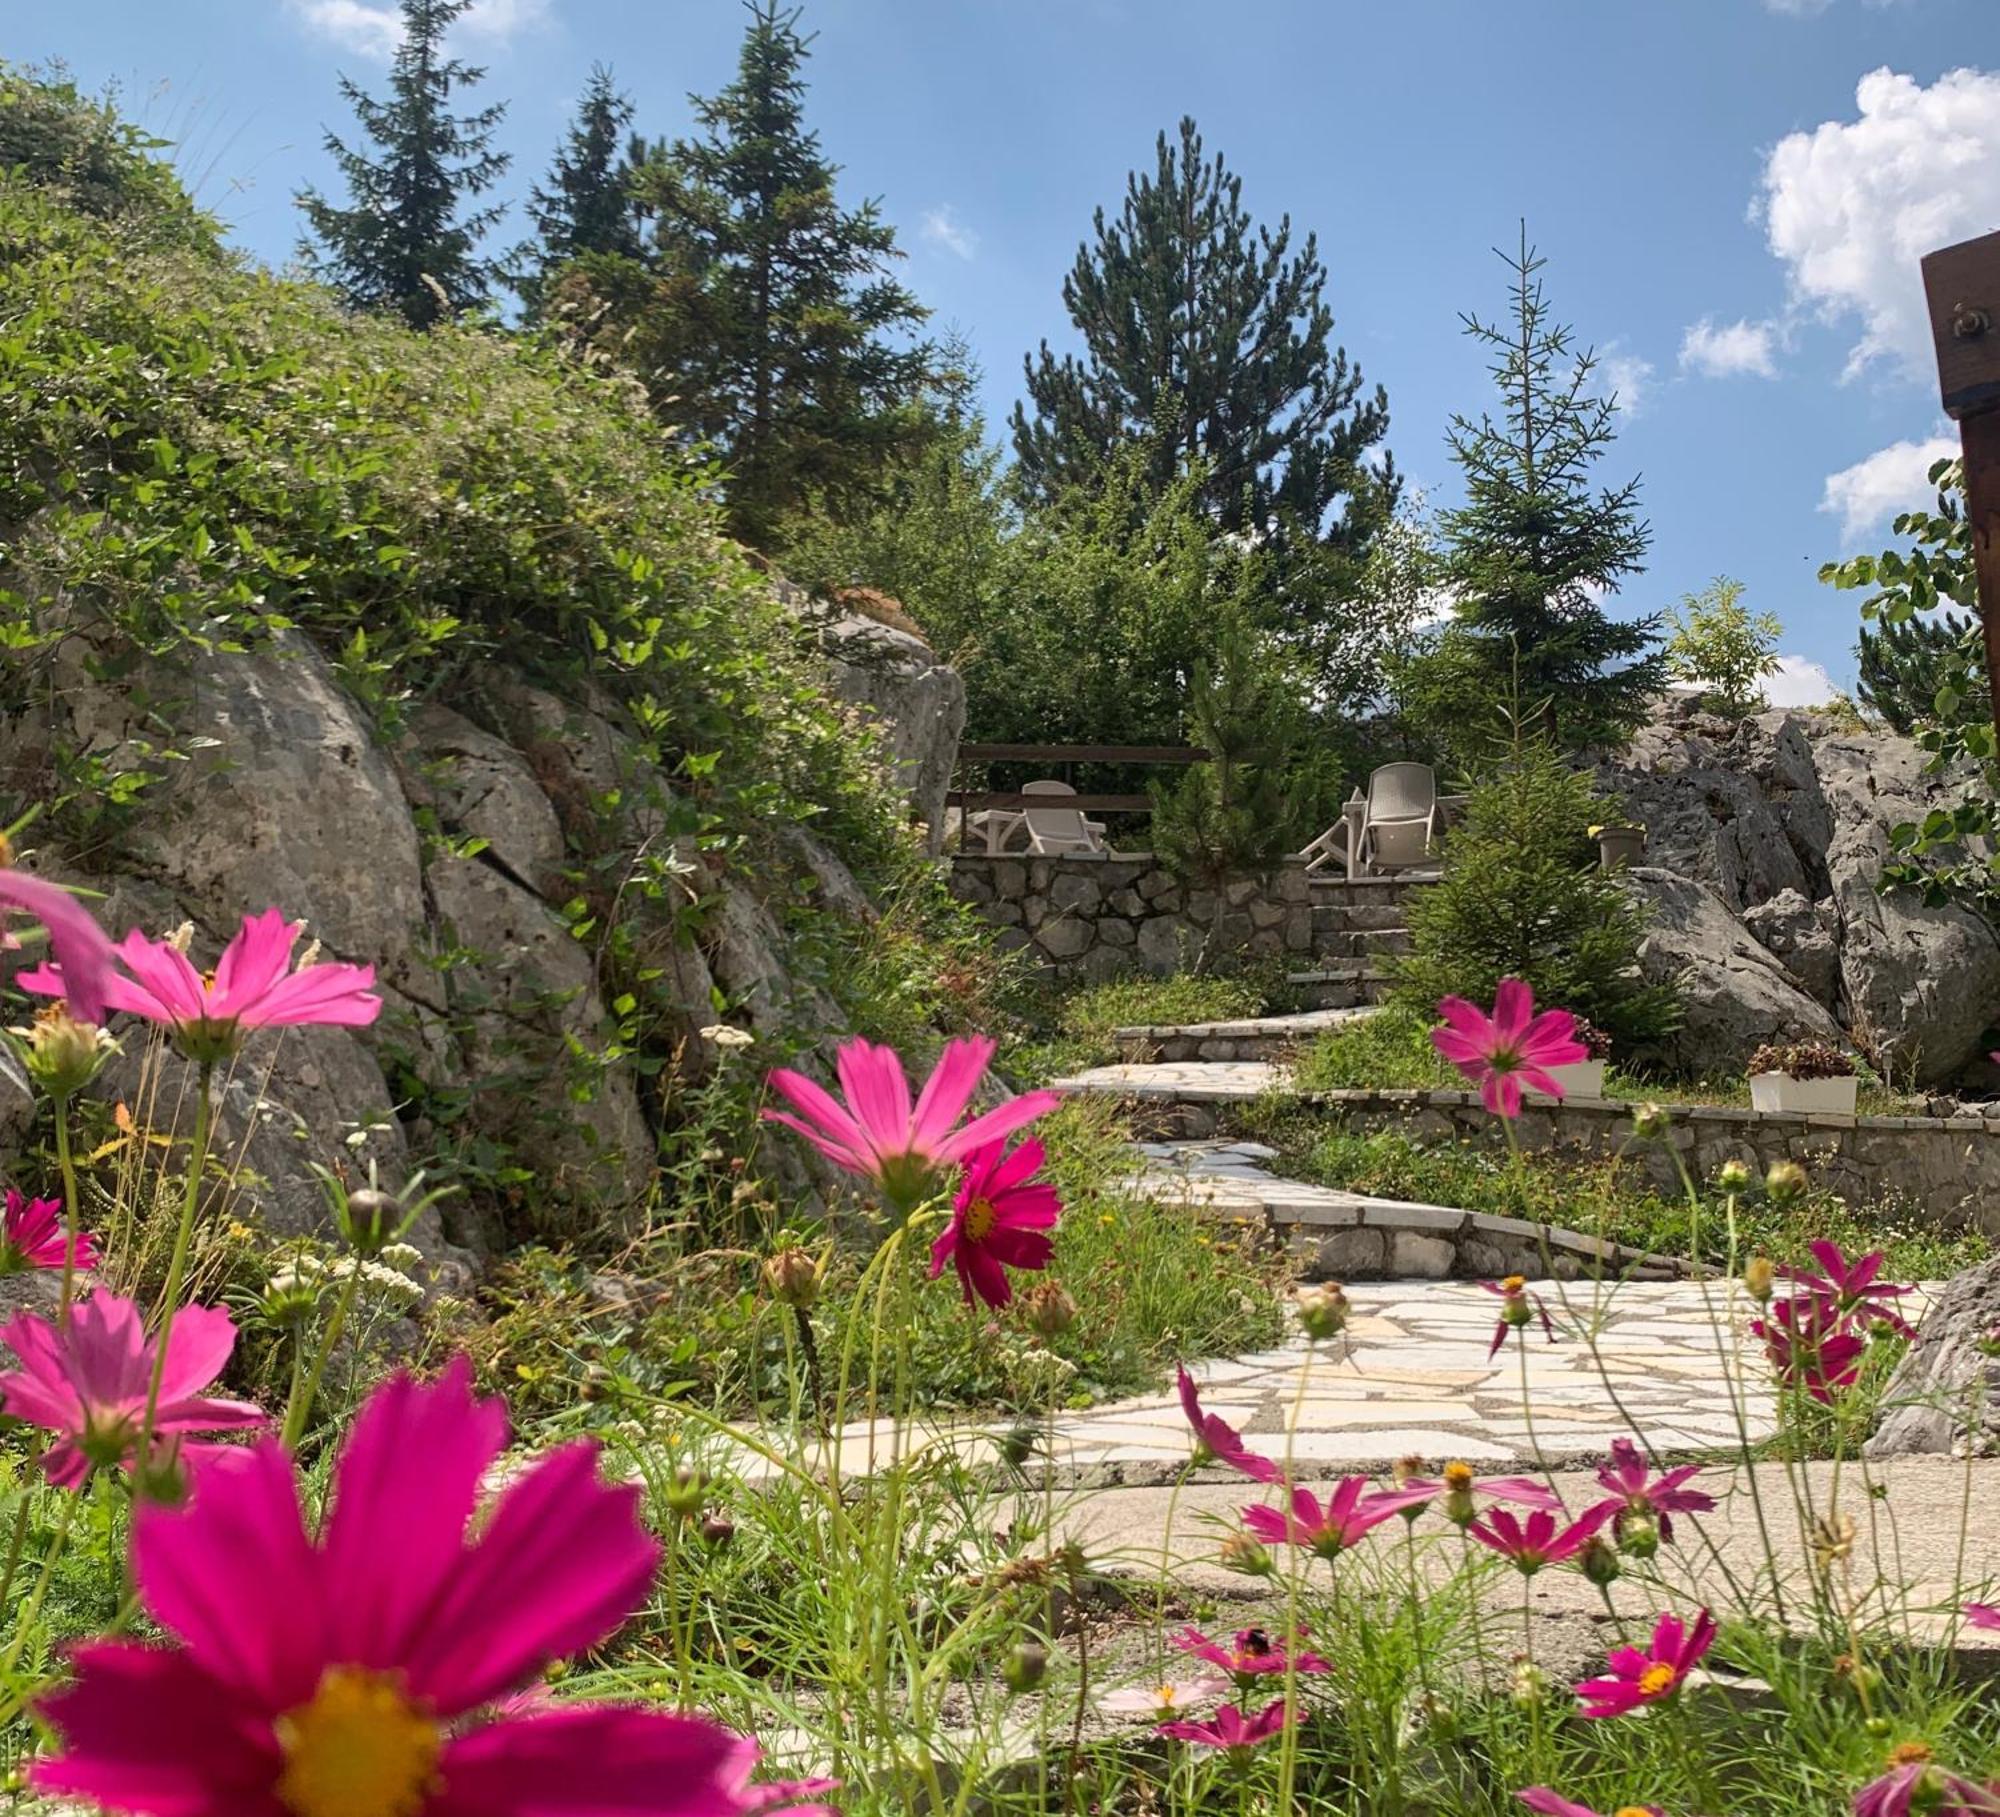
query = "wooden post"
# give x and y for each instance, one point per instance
(1962, 284)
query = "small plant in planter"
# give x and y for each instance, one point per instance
(1585, 1078)
(1619, 844)
(1793, 1076)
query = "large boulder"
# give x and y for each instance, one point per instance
(1733, 992)
(1945, 1394)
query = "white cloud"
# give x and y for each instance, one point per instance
(1797, 9)
(373, 28)
(942, 227)
(1799, 682)
(1868, 494)
(1627, 377)
(1720, 350)
(1852, 206)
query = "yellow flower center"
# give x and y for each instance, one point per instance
(6, 850)
(1631, 1810)
(1657, 1680)
(1458, 1474)
(1909, 1753)
(980, 1218)
(1514, 1283)
(358, 1749)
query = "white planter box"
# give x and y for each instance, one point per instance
(1583, 1079)
(1782, 1093)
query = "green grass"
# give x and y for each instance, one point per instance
(1392, 1050)
(1069, 1029)
(1610, 1198)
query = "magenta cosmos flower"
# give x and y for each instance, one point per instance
(1510, 1048)
(1217, 1441)
(1230, 1729)
(363, 1669)
(1538, 1542)
(1552, 1804)
(1982, 1615)
(1808, 1349)
(80, 947)
(1637, 1493)
(1518, 1310)
(1854, 1289)
(1000, 1219)
(253, 986)
(1637, 1678)
(31, 1236)
(1251, 1656)
(1459, 1485)
(87, 1382)
(1354, 1507)
(1914, 1784)
(880, 1136)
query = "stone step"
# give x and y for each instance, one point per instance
(1359, 943)
(1354, 918)
(1341, 984)
(1261, 1038)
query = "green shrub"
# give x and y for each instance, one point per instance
(1521, 897)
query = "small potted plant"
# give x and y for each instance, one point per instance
(1795, 1076)
(1584, 1078)
(1619, 844)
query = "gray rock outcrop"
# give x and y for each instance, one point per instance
(1945, 1394)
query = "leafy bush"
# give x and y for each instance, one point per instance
(1522, 897)
(1802, 1059)
(1723, 648)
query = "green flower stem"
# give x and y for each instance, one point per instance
(177, 1264)
(305, 1392)
(72, 1213)
(24, 1623)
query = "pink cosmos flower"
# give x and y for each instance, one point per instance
(1982, 1615)
(1807, 1347)
(1458, 1486)
(31, 1236)
(1000, 1219)
(1636, 1491)
(1540, 1798)
(1354, 1507)
(1217, 1440)
(1229, 1728)
(1518, 1309)
(1638, 1678)
(1252, 1655)
(878, 1135)
(1853, 1287)
(1510, 1048)
(252, 986)
(87, 1382)
(1162, 1700)
(1528, 1548)
(361, 1668)
(79, 945)
(1913, 1784)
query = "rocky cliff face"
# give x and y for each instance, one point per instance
(445, 860)
(1765, 840)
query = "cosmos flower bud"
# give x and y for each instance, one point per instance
(792, 1276)
(1049, 1309)
(1760, 1276)
(1529, 1685)
(1639, 1536)
(1785, 1182)
(686, 1493)
(718, 1529)
(1245, 1553)
(1027, 1665)
(1019, 1443)
(1322, 1311)
(63, 1055)
(1406, 1470)
(1651, 1121)
(1598, 1562)
(1734, 1176)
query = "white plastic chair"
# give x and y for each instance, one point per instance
(1058, 830)
(1401, 819)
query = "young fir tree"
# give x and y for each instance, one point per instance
(1521, 896)
(1231, 816)
(1907, 663)
(775, 327)
(1210, 333)
(586, 208)
(1537, 545)
(407, 242)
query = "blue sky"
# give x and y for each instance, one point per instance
(1733, 194)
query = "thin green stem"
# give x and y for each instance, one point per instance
(72, 1210)
(305, 1392)
(177, 1263)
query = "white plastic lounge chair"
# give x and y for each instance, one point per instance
(1055, 830)
(1402, 817)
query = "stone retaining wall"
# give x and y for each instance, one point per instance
(1948, 1165)
(1092, 918)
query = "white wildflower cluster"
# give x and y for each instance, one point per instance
(377, 1275)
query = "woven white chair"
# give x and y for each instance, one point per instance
(1056, 830)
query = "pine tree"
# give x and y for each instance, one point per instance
(775, 327)
(587, 205)
(1207, 328)
(406, 243)
(1535, 547)
(1906, 664)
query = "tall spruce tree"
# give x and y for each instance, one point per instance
(587, 205)
(407, 242)
(1906, 664)
(775, 327)
(1537, 545)
(1208, 329)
